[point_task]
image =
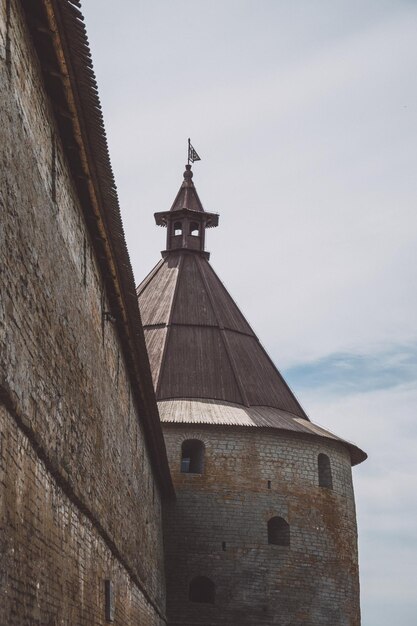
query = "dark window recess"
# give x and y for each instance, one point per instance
(192, 457)
(202, 589)
(177, 228)
(325, 471)
(194, 229)
(269, 484)
(109, 600)
(278, 531)
(224, 546)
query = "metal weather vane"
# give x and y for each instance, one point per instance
(192, 154)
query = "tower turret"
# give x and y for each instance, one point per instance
(263, 530)
(186, 221)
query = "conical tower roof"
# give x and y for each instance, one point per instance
(202, 346)
(208, 365)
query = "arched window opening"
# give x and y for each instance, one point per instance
(278, 531)
(192, 457)
(194, 229)
(325, 471)
(177, 228)
(202, 589)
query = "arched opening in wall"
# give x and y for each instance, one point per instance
(202, 589)
(194, 229)
(278, 531)
(177, 228)
(192, 456)
(325, 471)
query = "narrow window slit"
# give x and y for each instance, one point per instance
(109, 600)
(117, 369)
(54, 169)
(325, 471)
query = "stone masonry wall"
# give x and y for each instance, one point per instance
(313, 582)
(82, 467)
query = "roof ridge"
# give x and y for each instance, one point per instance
(228, 295)
(253, 334)
(145, 282)
(169, 325)
(223, 336)
(283, 381)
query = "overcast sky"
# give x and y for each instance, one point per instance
(305, 117)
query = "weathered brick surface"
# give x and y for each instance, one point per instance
(63, 369)
(54, 562)
(313, 582)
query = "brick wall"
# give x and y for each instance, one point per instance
(313, 582)
(54, 561)
(63, 373)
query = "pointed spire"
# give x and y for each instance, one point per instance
(186, 221)
(187, 196)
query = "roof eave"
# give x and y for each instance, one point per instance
(210, 219)
(84, 142)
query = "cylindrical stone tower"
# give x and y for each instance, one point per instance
(263, 530)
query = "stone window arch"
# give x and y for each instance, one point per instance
(177, 228)
(192, 456)
(202, 589)
(278, 531)
(325, 471)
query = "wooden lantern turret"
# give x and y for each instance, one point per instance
(186, 221)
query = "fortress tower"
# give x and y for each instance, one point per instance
(263, 530)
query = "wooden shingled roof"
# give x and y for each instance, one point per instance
(199, 343)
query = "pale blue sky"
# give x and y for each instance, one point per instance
(305, 116)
